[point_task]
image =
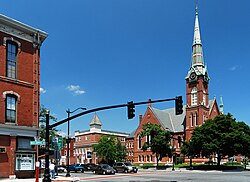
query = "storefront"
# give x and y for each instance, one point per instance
(18, 157)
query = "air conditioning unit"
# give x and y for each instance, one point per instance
(2, 149)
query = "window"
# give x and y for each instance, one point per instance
(204, 98)
(139, 158)
(196, 119)
(194, 96)
(11, 108)
(148, 139)
(139, 142)
(11, 59)
(25, 161)
(192, 120)
(24, 143)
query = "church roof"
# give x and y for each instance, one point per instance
(95, 121)
(170, 121)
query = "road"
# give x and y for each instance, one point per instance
(169, 176)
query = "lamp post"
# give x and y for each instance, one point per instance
(69, 139)
(173, 156)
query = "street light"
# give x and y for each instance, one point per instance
(68, 139)
(173, 161)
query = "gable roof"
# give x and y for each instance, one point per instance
(170, 121)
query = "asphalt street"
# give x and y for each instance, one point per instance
(170, 176)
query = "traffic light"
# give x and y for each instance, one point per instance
(131, 110)
(178, 105)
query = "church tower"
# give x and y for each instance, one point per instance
(197, 79)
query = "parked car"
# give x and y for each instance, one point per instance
(91, 167)
(104, 169)
(76, 168)
(61, 169)
(125, 167)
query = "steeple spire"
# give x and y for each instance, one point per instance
(197, 37)
(198, 67)
(221, 106)
(197, 55)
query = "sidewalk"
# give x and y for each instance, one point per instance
(58, 179)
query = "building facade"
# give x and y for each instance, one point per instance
(82, 148)
(19, 96)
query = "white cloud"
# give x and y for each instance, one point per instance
(233, 68)
(75, 89)
(42, 90)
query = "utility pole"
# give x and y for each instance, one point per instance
(47, 172)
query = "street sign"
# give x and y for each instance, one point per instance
(37, 142)
(60, 143)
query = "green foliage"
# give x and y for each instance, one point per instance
(160, 140)
(42, 120)
(222, 136)
(109, 149)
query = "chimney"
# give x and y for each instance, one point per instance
(140, 118)
(149, 103)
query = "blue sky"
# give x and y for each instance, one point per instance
(106, 52)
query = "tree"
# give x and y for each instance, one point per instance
(109, 149)
(222, 136)
(53, 131)
(159, 142)
(121, 151)
(42, 120)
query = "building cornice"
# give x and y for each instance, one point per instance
(21, 30)
(15, 130)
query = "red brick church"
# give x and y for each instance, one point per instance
(198, 108)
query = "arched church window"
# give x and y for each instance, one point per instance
(194, 96)
(139, 141)
(196, 119)
(204, 98)
(191, 120)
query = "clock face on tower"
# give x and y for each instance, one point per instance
(192, 76)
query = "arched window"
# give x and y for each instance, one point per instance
(11, 53)
(139, 141)
(194, 96)
(148, 139)
(196, 119)
(204, 98)
(11, 108)
(139, 158)
(191, 120)
(142, 158)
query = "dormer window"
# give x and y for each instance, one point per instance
(194, 96)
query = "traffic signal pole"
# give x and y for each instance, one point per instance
(105, 108)
(48, 127)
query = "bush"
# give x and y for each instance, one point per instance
(146, 166)
(215, 167)
(232, 164)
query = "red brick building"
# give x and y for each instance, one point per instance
(64, 155)
(85, 139)
(197, 109)
(19, 96)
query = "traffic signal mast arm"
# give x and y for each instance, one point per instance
(129, 104)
